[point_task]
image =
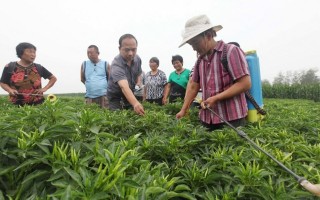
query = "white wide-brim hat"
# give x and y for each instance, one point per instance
(195, 26)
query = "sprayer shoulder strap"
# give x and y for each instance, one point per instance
(84, 69)
(13, 65)
(105, 66)
(224, 61)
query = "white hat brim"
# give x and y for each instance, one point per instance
(198, 31)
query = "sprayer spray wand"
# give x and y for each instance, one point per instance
(313, 188)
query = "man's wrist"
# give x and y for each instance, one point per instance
(136, 104)
(185, 109)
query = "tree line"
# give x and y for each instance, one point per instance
(303, 84)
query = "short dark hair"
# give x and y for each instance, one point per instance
(95, 47)
(23, 46)
(177, 57)
(155, 59)
(127, 35)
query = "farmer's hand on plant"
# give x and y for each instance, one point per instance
(138, 108)
(181, 114)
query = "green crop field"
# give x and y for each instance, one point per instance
(68, 150)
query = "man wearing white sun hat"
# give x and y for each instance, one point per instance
(222, 89)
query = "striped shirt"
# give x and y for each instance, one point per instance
(214, 79)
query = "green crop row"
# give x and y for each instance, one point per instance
(294, 91)
(68, 150)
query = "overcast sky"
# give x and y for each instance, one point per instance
(285, 33)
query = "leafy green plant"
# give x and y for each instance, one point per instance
(69, 150)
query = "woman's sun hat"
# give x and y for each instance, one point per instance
(195, 26)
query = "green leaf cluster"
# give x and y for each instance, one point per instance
(69, 150)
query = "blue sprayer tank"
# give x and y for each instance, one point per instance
(256, 87)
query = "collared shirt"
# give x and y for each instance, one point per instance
(214, 79)
(121, 71)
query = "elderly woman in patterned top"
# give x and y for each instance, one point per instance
(156, 81)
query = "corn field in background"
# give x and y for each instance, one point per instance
(293, 91)
(68, 150)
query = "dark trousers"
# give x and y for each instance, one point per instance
(139, 98)
(173, 99)
(157, 101)
(20, 103)
(118, 103)
(236, 123)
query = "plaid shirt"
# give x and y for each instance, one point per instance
(214, 79)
